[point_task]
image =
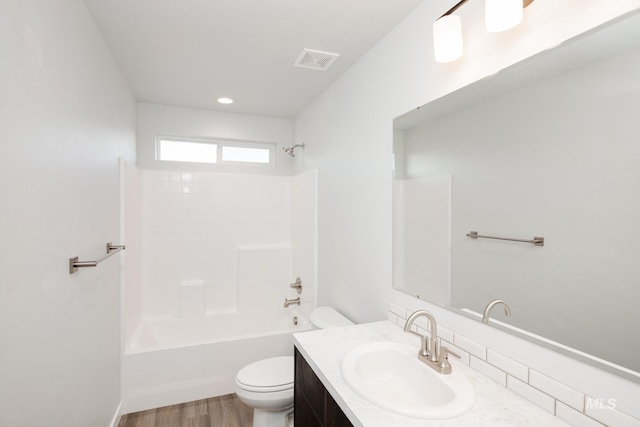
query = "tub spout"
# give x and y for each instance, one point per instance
(293, 301)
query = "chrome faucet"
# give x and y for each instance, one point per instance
(430, 353)
(487, 310)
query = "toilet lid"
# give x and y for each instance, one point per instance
(273, 374)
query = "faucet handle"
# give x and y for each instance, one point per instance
(445, 352)
(297, 285)
(443, 360)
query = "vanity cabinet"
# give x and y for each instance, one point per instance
(313, 405)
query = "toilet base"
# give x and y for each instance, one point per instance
(263, 418)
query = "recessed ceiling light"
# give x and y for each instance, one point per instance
(224, 100)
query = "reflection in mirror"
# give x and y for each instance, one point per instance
(548, 147)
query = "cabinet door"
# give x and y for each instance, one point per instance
(308, 394)
(313, 405)
(334, 417)
(303, 414)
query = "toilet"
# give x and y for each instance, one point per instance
(267, 385)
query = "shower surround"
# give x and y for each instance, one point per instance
(212, 256)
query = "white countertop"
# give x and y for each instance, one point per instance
(495, 405)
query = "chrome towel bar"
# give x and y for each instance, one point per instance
(538, 241)
(75, 265)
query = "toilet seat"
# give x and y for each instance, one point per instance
(267, 375)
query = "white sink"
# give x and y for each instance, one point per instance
(390, 376)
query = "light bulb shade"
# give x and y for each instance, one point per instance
(502, 15)
(447, 38)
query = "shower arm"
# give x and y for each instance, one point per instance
(289, 150)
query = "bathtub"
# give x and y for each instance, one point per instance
(171, 361)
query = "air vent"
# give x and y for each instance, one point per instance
(315, 59)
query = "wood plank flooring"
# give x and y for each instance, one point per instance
(222, 411)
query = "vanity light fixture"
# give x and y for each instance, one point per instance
(447, 38)
(500, 15)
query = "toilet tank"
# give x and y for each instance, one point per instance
(328, 317)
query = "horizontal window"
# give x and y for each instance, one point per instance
(187, 151)
(217, 151)
(245, 154)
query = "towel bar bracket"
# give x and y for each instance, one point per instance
(75, 264)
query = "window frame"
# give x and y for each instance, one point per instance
(220, 143)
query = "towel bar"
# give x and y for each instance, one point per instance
(75, 265)
(538, 241)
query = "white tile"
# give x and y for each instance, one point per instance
(423, 331)
(192, 302)
(392, 317)
(470, 346)
(423, 323)
(397, 310)
(445, 334)
(533, 395)
(489, 371)
(510, 366)
(573, 417)
(563, 393)
(400, 322)
(603, 410)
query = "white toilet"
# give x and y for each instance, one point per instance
(267, 385)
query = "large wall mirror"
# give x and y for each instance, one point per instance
(549, 147)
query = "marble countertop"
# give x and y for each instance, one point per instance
(495, 405)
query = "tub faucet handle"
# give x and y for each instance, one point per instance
(297, 285)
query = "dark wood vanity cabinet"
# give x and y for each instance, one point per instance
(313, 405)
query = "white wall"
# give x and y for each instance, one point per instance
(154, 120)
(304, 237)
(132, 274)
(66, 116)
(348, 132)
(348, 137)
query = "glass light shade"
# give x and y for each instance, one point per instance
(502, 15)
(447, 38)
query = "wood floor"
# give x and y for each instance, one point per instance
(222, 411)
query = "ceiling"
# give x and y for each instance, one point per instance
(190, 52)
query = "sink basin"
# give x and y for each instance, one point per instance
(390, 376)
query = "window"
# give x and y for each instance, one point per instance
(217, 151)
(245, 154)
(187, 151)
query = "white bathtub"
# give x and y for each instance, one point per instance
(171, 361)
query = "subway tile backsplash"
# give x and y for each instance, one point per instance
(566, 403)
(510, 366)
(557, 390)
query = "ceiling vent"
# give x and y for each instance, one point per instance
(315, 59)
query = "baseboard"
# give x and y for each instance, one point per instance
(116, 417)
(158, 396)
